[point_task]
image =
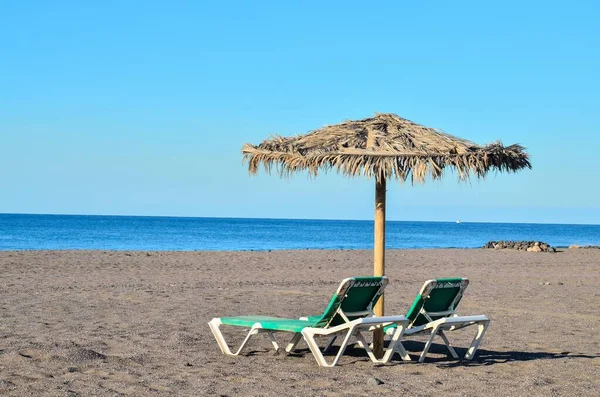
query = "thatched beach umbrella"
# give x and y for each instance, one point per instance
(382, 147)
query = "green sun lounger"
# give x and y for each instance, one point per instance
(433, 311)
(349, 313)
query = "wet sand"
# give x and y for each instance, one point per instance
(81, 323)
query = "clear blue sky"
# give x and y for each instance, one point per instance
(142, 107)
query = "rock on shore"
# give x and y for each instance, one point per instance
(530, 246)
(575, 246)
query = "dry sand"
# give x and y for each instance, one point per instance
(134, 323)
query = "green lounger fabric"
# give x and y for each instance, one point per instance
(266, 322)
(434, 311)
(356, 296)
(439, 300)
(348, 313)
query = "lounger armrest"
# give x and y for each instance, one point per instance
(458, 321)
(465, 319)
(384, 320)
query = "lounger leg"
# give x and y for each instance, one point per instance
(292, 345)
(402, 351)
(215, 325)
(362, 342)
(343, 346)
(447, 342)
(273, 340)
(329, 343)
(396, 345)
(309, 337)
(315, 350)
(434, 332)
(481, 328)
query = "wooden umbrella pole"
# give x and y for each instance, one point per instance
(379, 256)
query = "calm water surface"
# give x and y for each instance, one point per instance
(27, 232)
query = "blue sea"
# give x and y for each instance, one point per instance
(45, 232)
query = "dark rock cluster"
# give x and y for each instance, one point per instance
(530, 246)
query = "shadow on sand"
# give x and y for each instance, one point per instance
(438, 354)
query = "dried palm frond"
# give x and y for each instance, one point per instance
(384, 146)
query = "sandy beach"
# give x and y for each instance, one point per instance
(82, 323)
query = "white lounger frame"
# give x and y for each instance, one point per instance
(450, 323)
(354, 329)
(351, 328)
(438, 327)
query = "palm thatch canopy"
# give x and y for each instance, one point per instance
(384, 146)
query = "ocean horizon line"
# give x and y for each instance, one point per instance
(162, 233)
(292, 219)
